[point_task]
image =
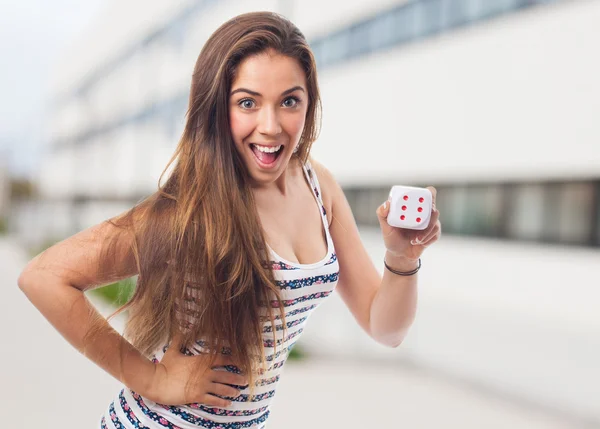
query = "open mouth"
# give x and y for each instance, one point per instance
(266, 155)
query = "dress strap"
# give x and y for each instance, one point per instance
(314, 184)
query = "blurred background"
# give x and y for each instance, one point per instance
(493, 102)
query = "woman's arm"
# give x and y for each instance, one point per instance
(384, 307)
(55, 281)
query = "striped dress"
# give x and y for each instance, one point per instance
(303, 288)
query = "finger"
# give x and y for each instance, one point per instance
(225, 359)
(432, 239)
(435, 232)
(430, 230)
(382, 213)
(433, 195)
(215, 401)
(422, 236)
(227, 377)
(223, 390)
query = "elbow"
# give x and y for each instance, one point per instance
(26, 278)
(395, 344)
(391, 340)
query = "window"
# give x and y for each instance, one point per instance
(575, 210)
(360, 38)
(563, 213)
(382, 31)
(404, 22)
(336, 47)
(429, 17)
(451, 202)
(457, 12)
(596, 211)
(526, 214)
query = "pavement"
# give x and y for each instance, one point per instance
(47, 384)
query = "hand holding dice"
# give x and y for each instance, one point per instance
(409, 221)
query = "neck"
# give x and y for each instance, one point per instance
(282, 184)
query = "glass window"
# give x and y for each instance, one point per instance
(488, 9)
(525, 212)
(360, 38)
(429, 17)
(484, 209)
(316, 47)
(597, 212)
(336, 47)
(575, 212)
(551, 213)
(382, 31)
(451, 202)
(404, 22)
(458, 12)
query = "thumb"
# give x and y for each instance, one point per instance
(382, 213)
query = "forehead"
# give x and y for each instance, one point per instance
(269, 72)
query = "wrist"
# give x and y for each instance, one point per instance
(139, 376)
(400, 263)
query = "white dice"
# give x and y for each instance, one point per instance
(410, 207)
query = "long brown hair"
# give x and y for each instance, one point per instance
(199, 245)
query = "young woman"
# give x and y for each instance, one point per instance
(233, 252)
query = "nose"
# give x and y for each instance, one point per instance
(268, 122)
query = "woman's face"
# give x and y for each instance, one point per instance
(267, 111)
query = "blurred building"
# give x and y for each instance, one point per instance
(492, 101)
(4, 191)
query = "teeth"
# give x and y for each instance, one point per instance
(267, 149)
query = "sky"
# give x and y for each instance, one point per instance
(33, 33)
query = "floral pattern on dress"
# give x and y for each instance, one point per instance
(289, 302)
(308, 281)
(269, 328)
(129, 413)
(270, 343)
(280, 352)
(113, 416)
(216, 411)
(204, 423)
(161, 416)
(291, 313)
(280, 265)
(332, 259)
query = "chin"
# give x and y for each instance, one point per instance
(266, 159)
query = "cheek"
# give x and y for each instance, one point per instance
(241, 126)
(295, 124)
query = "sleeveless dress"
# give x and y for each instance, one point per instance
(303, 287)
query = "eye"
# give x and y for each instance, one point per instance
(295, 100)
(246, 103)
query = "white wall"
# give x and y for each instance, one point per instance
(333, 15)
(516, 97)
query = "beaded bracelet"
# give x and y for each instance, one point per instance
(401, 273)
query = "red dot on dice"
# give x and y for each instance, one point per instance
(405, 197)
(420, 209)
(418, 219)
(402, 217)
(421, 199)
(403, 207)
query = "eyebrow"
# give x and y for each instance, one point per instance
(257, 94)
